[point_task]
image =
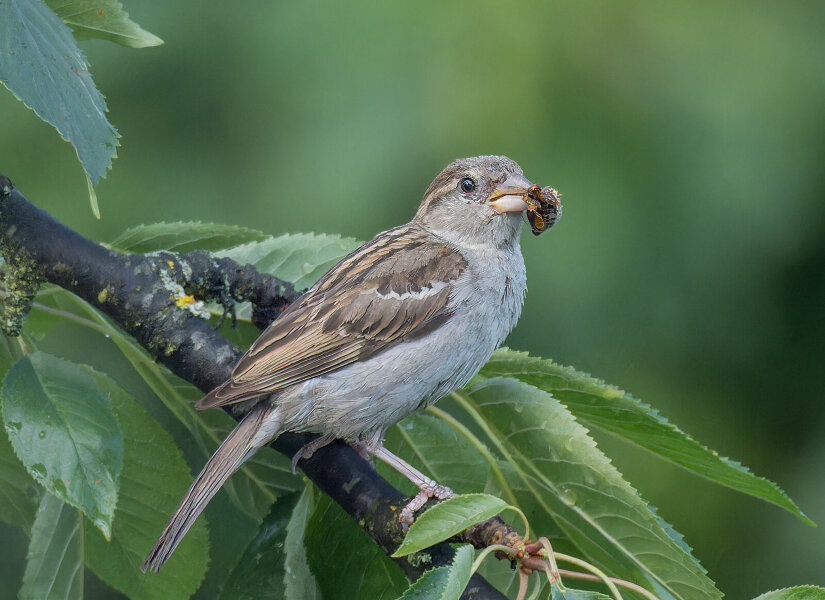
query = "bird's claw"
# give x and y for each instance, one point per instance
(363, 451)
(428, 490)
(308, 449)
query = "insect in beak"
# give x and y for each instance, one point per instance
(543, 208)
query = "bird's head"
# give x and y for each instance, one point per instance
(476, 200)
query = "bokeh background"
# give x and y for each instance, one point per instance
(688, 140)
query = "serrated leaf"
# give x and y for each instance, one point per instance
(154, 479)
(41, 64)
(300, 258)
(802, 592)
(103, 19)
(421, 440)
(447, 518)
(568, 477)
(54, 570)
(259, 574)
(261, 478)
(597, 404)
(55, 557)
(19, 494)
(443, 583)
(345, 561)
(184, 236)
(62, 428)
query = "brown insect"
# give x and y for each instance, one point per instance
(543, 208)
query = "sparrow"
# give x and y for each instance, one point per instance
(397, 324)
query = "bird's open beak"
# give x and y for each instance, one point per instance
(509, 194)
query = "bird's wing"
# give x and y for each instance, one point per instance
(393, 288)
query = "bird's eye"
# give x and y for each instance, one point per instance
(467, 185)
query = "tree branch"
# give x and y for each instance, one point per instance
(142, 294)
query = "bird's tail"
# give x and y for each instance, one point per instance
(234, 450)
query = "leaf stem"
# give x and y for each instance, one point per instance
(487, 551)
(482, 449)
(460, 397)
(619, 582)
(520, 513)
(598, 573)
(72, 317)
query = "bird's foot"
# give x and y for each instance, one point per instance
(308, 449)
(362, 448)
(428, 490)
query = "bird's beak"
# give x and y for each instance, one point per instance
(509, 194)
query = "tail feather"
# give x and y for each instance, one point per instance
(230, 455)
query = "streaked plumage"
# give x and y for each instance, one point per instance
(403, 320)
(383, 295)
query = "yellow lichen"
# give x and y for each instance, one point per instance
(185, 300)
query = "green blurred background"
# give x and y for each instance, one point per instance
(687, 138)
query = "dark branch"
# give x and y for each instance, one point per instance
(143, 295)
(225, 281)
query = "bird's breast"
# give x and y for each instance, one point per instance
(494, 294)
(363, 399)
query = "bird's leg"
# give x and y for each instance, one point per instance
(429, 488)
(308, 449)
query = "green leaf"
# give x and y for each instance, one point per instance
(262, 478)
(183, 237)
(802, 592)
(345, 561)
(570, 594)
(565, 475)
(55, 559)
(19, 494)
(300, 583)
(261, 570)
(103, 19)
(596, 404)
(6, 358)
(61, 426)
(447, 518)
(231, 530)
(444, 583)
(90, 187)
(154, 479)
(421, 440)
(300, 258)
(41, 64)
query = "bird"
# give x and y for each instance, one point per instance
(398, 323)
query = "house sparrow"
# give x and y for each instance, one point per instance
(408, 317)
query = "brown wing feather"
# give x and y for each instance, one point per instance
(395, 287)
